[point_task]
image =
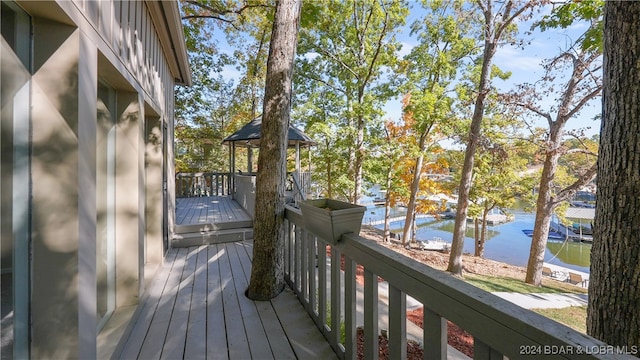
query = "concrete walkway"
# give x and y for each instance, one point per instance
(544, 300)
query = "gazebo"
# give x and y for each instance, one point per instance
(249, 137)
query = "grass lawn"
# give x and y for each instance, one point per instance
(493, 284)
(574, 317)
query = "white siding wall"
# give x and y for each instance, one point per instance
(76, 43)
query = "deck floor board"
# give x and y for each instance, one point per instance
(196, 309)
(208, 213)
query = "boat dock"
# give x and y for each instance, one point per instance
(564, 274)
(567, 233)
(373, 222)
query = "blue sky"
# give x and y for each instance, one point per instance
(524, 64)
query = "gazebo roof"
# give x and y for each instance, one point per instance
(249, 135)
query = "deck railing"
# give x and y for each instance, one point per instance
(202, 184)
(329, 292)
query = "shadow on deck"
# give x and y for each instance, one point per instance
(196, 308)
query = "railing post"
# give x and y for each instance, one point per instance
(370, 315)
(434, 329)
(397, 323)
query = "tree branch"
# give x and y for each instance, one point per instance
(338, 60)
(318, 79)
(378, 47)
(568, 192)
(583, 102)
(533, 109)
(580, 151)
(219, 14)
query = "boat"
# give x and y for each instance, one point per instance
(436, 244)
(553, 235)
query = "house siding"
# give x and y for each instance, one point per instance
(128, 46)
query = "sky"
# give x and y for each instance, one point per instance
(524, 64)
(525, 67)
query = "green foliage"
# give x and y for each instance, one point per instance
(213, 107)
(570, 12)
(348, 50)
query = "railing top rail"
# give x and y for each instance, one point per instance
(196, 174)
(498, 323)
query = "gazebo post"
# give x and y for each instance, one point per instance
(230, 168)
(298, 158)
(249, 159)
(232, 165)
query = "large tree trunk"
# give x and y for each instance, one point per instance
(544, 212)
(460, 226)
(267, 273)
(613, 314)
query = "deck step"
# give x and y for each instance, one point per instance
(211, 237)
(208, 227)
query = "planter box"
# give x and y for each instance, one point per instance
(329, 219)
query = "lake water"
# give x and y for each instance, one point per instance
(506, 242)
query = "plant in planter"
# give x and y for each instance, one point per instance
(329, 219)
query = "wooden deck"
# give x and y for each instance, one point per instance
(210, 219)
(196, 308)
(217, 212)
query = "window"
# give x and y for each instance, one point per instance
(105, 202)
(14, 179)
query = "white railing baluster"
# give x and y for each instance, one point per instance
(370, 315)
(296, 261)
(397, 323)
(287, 246)
(350, 299)
(304, 289)
(322, 284)
(336, 292)
(434, 329)
(311, 272)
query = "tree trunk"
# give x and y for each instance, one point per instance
(483, 234)
(411, 206)
(476, 236)
(357, 189)
(460, 226)
(613, 314)
(387, 206)
(544, 211)
(267, 272)
(329, 174)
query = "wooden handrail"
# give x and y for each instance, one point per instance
(498, 326)
(202, 184)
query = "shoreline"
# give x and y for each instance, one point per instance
(440, 260)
